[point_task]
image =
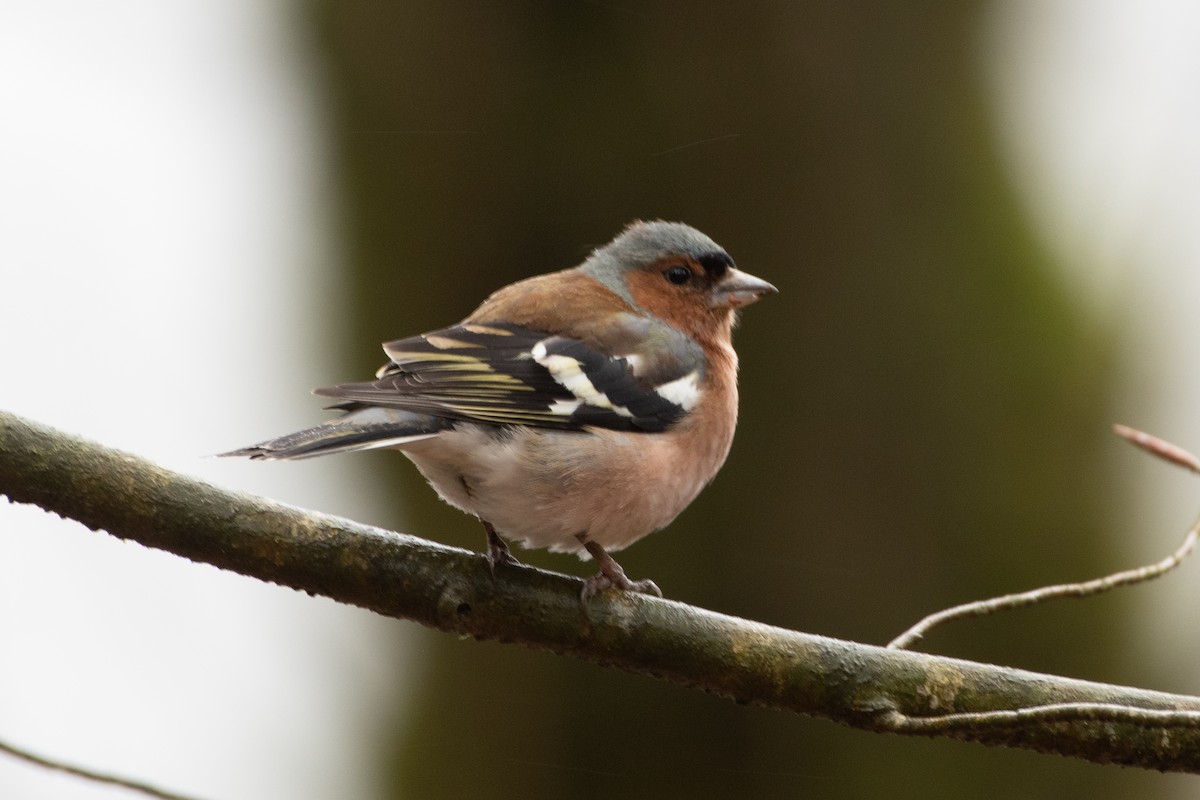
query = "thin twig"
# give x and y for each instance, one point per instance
(1052, 712)
(1152, 444)
(981, 608)
(98, 777)
(1158, 447)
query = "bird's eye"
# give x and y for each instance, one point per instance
(679, 275)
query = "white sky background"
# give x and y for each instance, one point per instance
(160, 172)
(162, 226)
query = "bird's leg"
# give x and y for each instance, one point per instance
(498, 552)
(611, 574)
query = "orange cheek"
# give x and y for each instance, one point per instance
(681, 308)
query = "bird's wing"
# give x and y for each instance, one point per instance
(506, 374)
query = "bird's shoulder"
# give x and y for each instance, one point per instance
(558, 302)
(572, 305)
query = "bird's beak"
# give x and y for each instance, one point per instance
(737, 289)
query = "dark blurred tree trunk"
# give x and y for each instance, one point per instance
(921, 404)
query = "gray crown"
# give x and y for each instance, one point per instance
(644, 243)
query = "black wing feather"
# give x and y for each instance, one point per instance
(487, 373)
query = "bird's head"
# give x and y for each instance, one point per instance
(678, 274)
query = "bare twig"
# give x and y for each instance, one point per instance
(1007, 602)
(1051, 712)
(452, 590)
(1159, 447)
(1171, 453)
(91, 775)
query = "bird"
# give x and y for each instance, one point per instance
(575, 411)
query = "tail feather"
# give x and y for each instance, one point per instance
(363, 429)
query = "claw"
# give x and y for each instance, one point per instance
(498, 552)
(598, 583)
(611, 576)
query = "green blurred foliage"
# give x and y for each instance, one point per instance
(921, 405)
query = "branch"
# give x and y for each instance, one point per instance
(452, 590)
(91, 775)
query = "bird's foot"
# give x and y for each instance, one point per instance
(598, 583)
(498, 552)
(611, 576)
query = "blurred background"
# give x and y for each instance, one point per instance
(982, 217)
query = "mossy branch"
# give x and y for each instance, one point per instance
(864, 686)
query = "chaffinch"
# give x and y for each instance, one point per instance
(576, 411)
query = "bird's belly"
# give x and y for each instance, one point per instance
(542, 488)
